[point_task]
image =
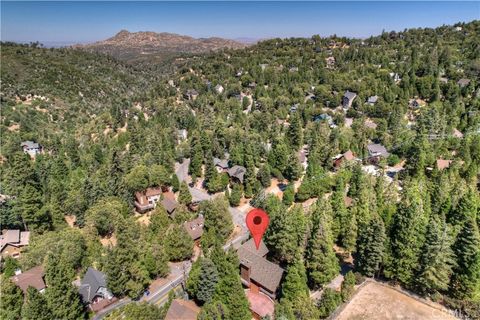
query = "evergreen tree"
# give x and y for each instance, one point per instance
(348, 286)
(217, 216)
(295, 132)
(236, 195)
(12, 300)
(466, 278)
(329, 302)
(286, 231)
(28, 205)
(230, 293)
(467, 207)
(207, 281)
(295, 283)
(408, 235)
(178, 244)
(370, 247)
(214, 310)
(62, 297)
(264, 176)
(341, 217)
(35, 307)
(288, 195)
(321, 261)
(437, 257)
(184, 197)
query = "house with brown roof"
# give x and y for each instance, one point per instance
(148, 199)
(463, 82)
(30, 278)
(182, 310)
(12, 242)
(341, 158)
(443, 164)
(195, 228)
(256, 272)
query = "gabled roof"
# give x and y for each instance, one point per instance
(15, 238)
(443, 164)
(262, 271)
(377, 149)
(350, 95)
(372, 99)
(195, 227)
(182, 310)
(222, 163)
(30, 278)
(348, 155)
(91, 282)
(169, 204)
(237, 172)
(30, 145)
(463, 82)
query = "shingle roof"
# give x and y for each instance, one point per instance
(182, 310)
(91, 282)
(349, 155)
(14, 237)
(11, 236)
(463, 82)
(262, 271)
(195, 227)
(237, 172)
(377, 149)
(30, 145)
(443, 164)
(30, 278)
(169, 204)
(222, 163)
(372, 99)
(350, 95)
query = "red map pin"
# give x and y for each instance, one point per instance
(257, 222)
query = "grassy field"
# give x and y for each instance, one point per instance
(374, 301)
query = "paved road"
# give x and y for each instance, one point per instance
(181, 170)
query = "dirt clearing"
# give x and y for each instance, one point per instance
(374, 301)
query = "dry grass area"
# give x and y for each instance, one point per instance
(375, 301)
(14, 127)
(144, 218)
(110, 241)
(71, 219)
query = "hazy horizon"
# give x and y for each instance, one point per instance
(65, 23)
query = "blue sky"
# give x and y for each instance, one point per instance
(90, 21)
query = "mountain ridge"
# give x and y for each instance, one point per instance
(141, 45)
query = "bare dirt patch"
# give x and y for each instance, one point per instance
(144, 218)
(14, 127)
(109, 241)
(71, 219)
(375, 301)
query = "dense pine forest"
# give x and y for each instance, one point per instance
(283, 110)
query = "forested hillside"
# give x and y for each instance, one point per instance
(282, 109)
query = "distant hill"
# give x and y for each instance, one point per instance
(145, 45)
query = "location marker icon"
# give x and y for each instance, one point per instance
(257, 222)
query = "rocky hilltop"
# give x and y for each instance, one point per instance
(143, 45)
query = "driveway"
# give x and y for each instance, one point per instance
(181, 170)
